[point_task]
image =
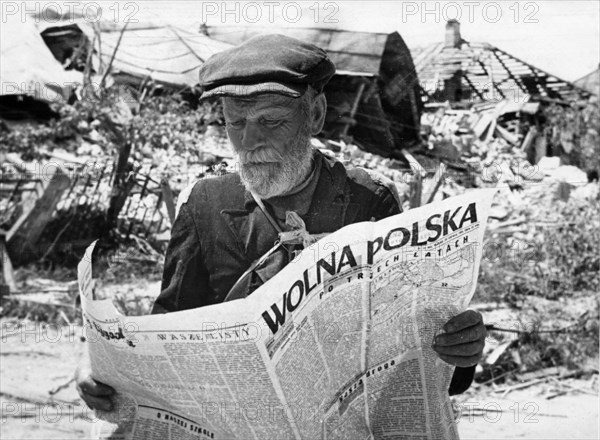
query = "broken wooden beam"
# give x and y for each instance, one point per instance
(438, 178)
(7, 284)
(359, 93)
(507, 135)
(416, 185)
(529, 137)
(22, 238)
(167, 196)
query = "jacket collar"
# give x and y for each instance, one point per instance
(331, 209)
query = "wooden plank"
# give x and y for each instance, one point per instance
(168, 198)
(438, 178)
(416, 185)
(506, 135)
(24, 235)
(491, 77)
(541, 148)
(359, 94)
(531, 134)
(8, 278)
(414, 108)
(123, 178)
(416, 191)
(470, 84)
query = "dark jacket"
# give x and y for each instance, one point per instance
(220, 231)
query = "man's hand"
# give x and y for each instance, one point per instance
(462, 344)
(95, 394)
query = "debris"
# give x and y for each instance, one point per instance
(167, 195)
(567, 173)
(528, 141)
(61, 386)
(8, 280)
(499, 213)
(586, 192)
(548, 163)
(22, 237)
(563, 190)
(497, 352)
(514, 222)
(520, 386)
(438, 179)
(543, 373)
(566, 388)
(527, 171)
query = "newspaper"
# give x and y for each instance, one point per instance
(337, 345)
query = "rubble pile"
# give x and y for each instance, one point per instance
(101, 170)
(541, 249)
(541, 255)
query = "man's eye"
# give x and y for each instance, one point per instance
(272, 122)
(236, 124)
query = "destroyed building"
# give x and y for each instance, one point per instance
(590, 82)
(458, 70)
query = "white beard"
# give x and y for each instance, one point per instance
(276, 178)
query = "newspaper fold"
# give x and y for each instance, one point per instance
(337, 345)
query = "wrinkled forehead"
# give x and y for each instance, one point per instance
(264, 101)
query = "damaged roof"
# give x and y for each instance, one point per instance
(484, 71)
(148, 47)
(165, 53)
(353, 53)
(151, 50)
(590, 82)
(29, 68)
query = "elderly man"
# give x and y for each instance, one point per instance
(225, 239)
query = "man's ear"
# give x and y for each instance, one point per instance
(318, 113)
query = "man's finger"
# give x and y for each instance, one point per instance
(95, 388)
(471, 334)
(464, 350)
(460, 361)
(102, 403)
(466, 319)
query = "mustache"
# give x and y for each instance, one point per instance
(260, 156)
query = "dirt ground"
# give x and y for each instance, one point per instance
(37, 358)
(528, 414)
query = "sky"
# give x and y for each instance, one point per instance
(560, 37)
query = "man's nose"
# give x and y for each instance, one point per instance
(252, 136)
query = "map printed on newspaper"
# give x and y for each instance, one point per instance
(337, 345)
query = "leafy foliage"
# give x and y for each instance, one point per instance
(575, 130)
(561, 258)
(169, 121)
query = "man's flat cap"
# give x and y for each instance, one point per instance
(266, 64)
